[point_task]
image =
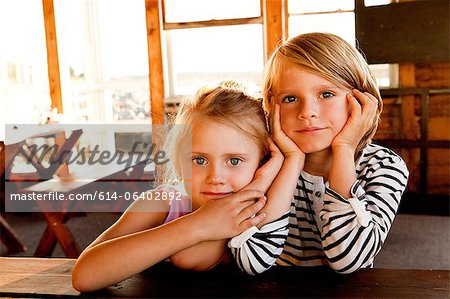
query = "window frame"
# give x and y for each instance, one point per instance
(273, 19)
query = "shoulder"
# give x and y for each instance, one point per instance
(377, 154)
(149, 201)
(176, 198)
(376, 158)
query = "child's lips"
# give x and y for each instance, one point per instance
(310, 130)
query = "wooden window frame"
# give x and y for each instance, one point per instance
(54, 79)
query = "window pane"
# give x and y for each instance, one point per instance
(103, 60)
(204, 55)
(201, 10)
(386, 74)
(305, 6)
(24, 89)
(342, 24)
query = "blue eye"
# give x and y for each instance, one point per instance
(289, 99)
(326, 95)
(199, 160)
(235, 161)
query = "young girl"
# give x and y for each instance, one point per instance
(325, 99)
(215, 147)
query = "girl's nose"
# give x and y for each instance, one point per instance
(308, 109)
(216, 175)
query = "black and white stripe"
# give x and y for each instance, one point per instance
(323, 227)
(261, 251)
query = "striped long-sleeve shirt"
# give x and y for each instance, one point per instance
(324, 228)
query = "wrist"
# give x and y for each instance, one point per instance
(294, 156)
(295, 159)
(345, 149)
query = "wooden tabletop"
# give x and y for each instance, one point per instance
(35, 277)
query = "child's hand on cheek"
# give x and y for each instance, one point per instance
(286, 144)
(362, 115)
(229, 216)
(265, 174)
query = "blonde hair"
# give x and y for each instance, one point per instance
(330, 57)
(227, 103)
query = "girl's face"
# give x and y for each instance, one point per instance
(222, 161)
(313, 110)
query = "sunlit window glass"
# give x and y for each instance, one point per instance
(202, 10)
(386, 74)
(103, 60)
(341, 24)
(199, 56)
(24, 89)
(336, 17)
(308, 6)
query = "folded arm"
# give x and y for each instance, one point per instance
(131, 246)
(355, 226)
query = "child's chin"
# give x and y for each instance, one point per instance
(310, 149)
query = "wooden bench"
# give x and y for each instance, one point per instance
(37, 277)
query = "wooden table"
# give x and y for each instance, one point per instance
(37, 277)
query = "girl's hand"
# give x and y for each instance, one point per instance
(265, 175)
(286, 145)
(229, 216)
(361, 119)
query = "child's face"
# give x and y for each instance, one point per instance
(313, 110)
(223, 161)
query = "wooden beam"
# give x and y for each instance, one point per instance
(273, 25)
(285, 19)
(410, 125)
(209, 23)
(156, 77)
(407, 79)
(52, 55)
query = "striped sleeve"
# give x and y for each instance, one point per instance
(256, 252)
(355, 229)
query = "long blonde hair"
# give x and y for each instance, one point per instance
(330, 57)
(227, 103)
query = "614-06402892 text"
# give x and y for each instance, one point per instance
(102, 196)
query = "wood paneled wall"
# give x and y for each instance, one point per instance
(402, 118)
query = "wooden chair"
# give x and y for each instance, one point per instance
(56, 230)
(7, 234)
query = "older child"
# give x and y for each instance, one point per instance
(326, 101)
(215, 146)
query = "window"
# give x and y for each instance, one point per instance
(204, 10)
(336, 17)
(24, 88)
(212, 54)
(211, 41)
(103, 60)
(327, 16)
